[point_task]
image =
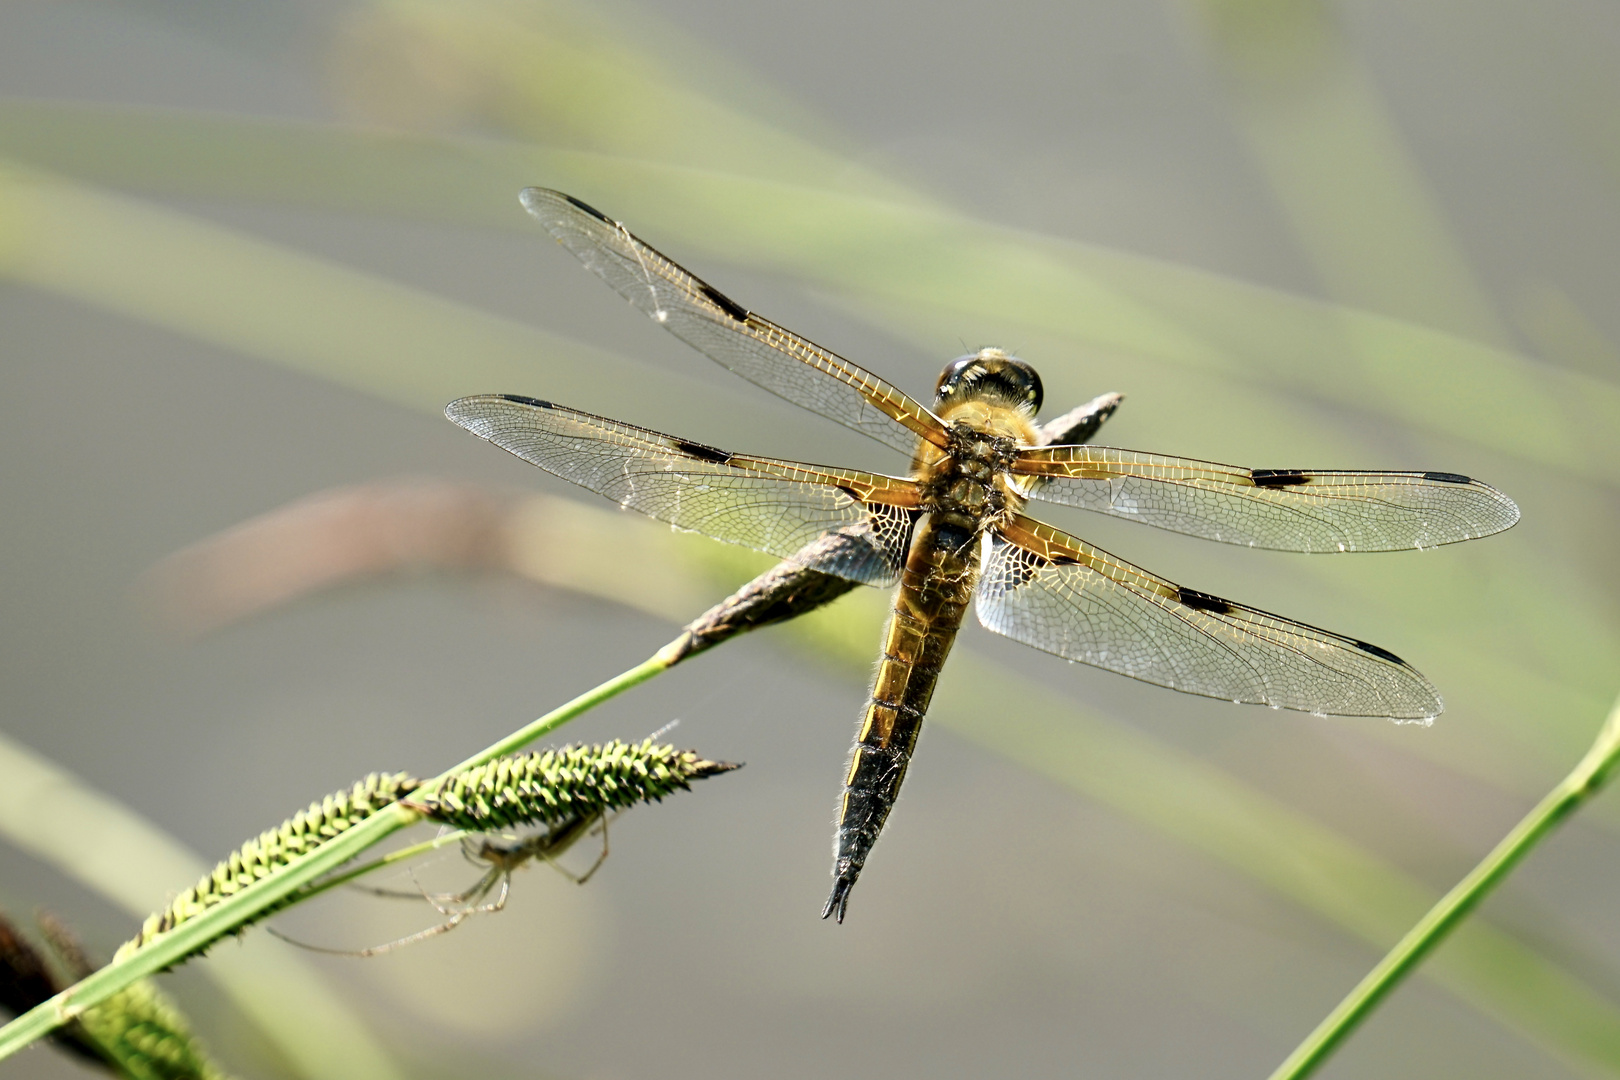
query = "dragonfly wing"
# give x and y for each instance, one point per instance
(1053, 591)
(771, 506)
(717, 326)
(1282, 509)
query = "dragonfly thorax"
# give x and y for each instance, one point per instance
(967, 487)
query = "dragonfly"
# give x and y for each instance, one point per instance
(953, 531)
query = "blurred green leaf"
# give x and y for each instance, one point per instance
(907, 262)
(211, 283)
(1337, 163)
(505, 64)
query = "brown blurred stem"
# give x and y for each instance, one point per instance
(26, 980)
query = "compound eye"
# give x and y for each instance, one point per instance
(1032, 386)
(953, 373)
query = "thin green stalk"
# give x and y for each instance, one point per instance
(404, 854)
(1584, 781)
(195, 934)
(656, 664)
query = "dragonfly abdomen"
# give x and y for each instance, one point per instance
(929, 607)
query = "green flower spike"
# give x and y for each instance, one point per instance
(298, 835)
(550, 786)
(547, 787)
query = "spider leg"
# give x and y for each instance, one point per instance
(567, 840)
(445, 927)
(467, 901)
(499, 903)
(391, 894)
(457, 916)
(438, 900)
(449, 924)
(600, 859)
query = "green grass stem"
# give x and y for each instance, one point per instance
(197, 933)
(1584, 781)
(404, 854)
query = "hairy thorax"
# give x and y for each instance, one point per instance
(966, 486)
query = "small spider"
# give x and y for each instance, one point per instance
(501, 855)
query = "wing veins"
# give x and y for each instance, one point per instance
(773, 506)
(747, 344)
(1041, 601)
(1313, 510)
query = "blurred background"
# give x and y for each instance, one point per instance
(249, 251)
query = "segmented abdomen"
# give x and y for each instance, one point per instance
(928, 610)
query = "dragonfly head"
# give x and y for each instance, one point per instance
(989, 373)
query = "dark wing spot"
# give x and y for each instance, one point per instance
(1382, 654)
(1063, 560)
(698, 450)
(589, 209)
(723, 302)
(521, 400)
(1269, 478)
(1447, 478)
(1204, 602)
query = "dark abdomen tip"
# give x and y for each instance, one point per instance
(838, 902)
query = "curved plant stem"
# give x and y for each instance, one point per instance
(195, 934)
(1584, 781)
(404, 854)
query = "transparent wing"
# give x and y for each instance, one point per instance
(1050, 590)
(755, 348)
(772, 506)
(1283, 509)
